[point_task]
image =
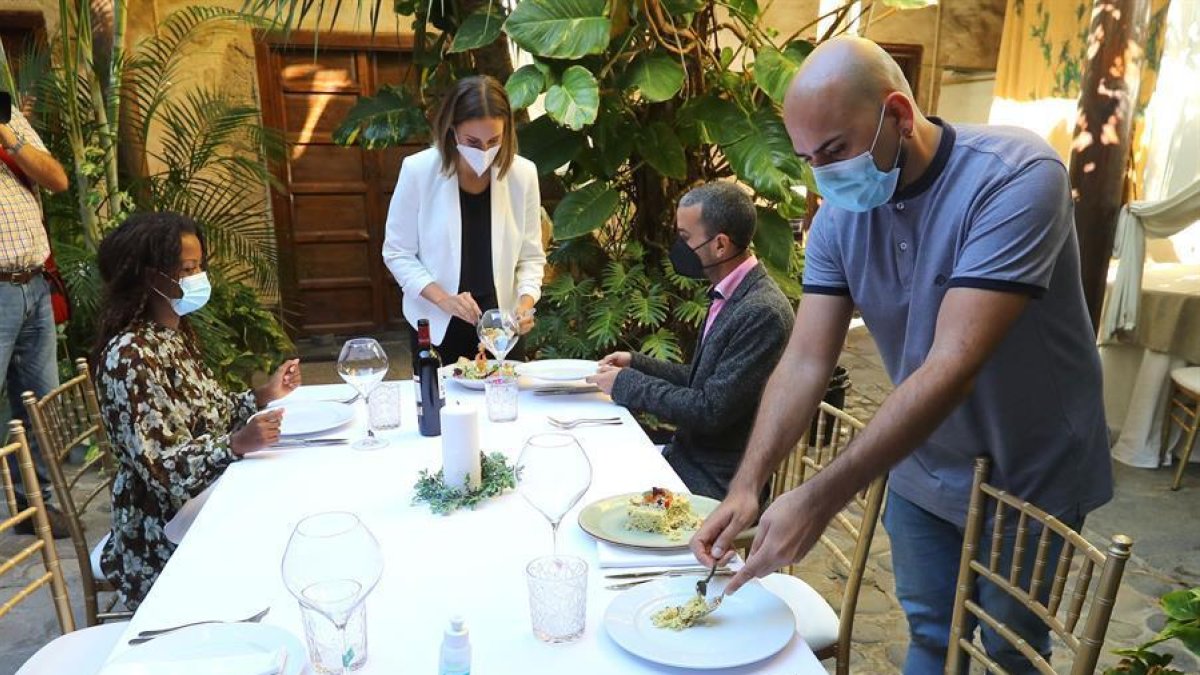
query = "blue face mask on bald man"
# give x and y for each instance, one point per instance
(856, 184)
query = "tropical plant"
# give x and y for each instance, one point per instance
(195, 150)
(1183, 624)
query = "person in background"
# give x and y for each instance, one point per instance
(27, 336)
(464, 229)
(711, 400)
(173, 427)
(957, 244)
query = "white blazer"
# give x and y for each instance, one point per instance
(423, 241)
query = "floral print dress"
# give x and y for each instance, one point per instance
(169, 422)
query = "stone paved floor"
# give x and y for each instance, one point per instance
(1166, 555)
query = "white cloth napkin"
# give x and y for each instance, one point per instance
(612, 555)
(178, 526)
(248, 663)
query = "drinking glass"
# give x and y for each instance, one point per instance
(500, 393)
(383, 407)
(498, 332)
(332, 562)
(557, 597)
(553, 473)
(363, 365)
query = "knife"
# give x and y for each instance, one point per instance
(654, 573)
(305, 442)
(556, 391)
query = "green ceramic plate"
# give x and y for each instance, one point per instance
(605, 519)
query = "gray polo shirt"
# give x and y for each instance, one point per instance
(993, 211)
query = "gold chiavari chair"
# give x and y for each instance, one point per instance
(64, 419)
(848, 538)
(44, 542)
(1183, 410)
(1057, 606)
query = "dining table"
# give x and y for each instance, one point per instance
(470, 563)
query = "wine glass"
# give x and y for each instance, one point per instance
(363, 365)
(332, 562)
(498, 332)
(553, 472)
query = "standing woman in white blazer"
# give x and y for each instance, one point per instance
(464, 229)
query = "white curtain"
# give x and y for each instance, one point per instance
(1140, 220)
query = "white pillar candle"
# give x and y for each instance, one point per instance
(460, 446)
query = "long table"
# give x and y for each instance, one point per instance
(470, 563)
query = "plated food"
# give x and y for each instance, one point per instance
(661, 511)
(690, 613)
(656, 519)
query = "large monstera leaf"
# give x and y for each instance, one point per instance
(560, 29)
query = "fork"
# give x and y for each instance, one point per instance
(589, 421)
(148, 635)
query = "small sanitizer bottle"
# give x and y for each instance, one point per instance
(456, 650)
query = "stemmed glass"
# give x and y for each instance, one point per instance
(498, 332)
(363, 364)
(332, 562)
(553, 472)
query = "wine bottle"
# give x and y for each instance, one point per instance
(428, 383)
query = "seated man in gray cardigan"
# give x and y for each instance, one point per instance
(712, 400)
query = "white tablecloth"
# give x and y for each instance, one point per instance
(470, 563)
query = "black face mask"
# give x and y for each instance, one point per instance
(687, 262)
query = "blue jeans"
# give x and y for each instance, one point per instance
(28, 362)
(925, 557)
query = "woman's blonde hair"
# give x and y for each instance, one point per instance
(471, 98)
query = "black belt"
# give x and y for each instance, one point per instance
(20, 277)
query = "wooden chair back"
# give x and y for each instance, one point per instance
(64, 419)
(1061, 605)
(849, 535)
(44, 542)
(1183, 410)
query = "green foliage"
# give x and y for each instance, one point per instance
(211, 149)
(596, 305)
(238, 336)
(496, 476)
(1183, 623)
(644, 99)
(389, 118)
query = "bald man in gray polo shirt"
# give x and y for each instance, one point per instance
(957, 244)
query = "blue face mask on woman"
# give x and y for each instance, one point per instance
(856, 184)
(196, 291)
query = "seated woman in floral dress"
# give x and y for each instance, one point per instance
(173, 427)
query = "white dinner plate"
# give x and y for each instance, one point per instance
(605, 519)
(748, 627)
(206, 648)
(467, 383)
(558, 370)
(311, 417)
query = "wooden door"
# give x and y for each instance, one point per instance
(330, 213)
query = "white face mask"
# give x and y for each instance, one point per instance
(196, 292)
(478, 160)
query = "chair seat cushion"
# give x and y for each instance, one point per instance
(97, 551)
(80, 653)
(816, 621)
(1188, 378)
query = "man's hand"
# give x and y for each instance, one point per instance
(260, 432)
(714, 540)
(605, 378)
(787, 531)
(618, 359)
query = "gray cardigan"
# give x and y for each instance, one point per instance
(714, 399)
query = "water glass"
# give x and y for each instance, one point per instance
(500, 392)
(332, 650)
(557, 597)
(383, 407)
